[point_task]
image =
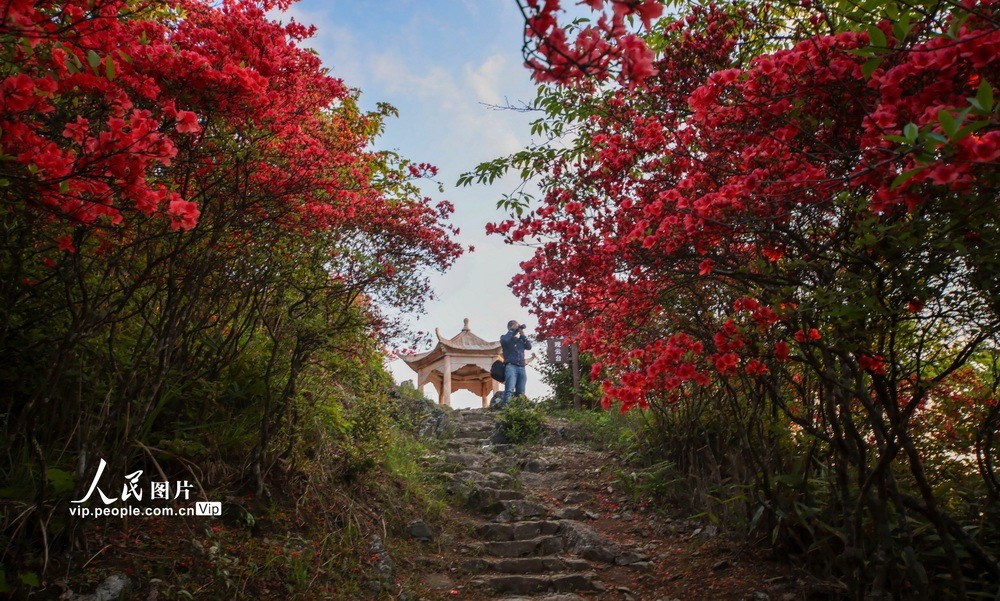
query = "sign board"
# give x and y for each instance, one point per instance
(556, 352)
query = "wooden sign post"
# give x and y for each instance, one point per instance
(556, 353)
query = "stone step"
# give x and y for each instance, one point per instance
(467, 477)
(524, 565)
(517, 530)
(501, 479)
(463, 443)
(474, 418)
(514, 511)
(482, 431)
(552, 597)
(524, 584)
(466, 460)
(469, 416)
(490, 500)
(541, 545)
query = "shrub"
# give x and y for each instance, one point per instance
(521, 420)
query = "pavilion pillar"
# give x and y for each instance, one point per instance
(446, 384)
(486, 394)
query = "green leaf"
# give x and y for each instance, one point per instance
(876, 37)
(970, 128)
(933, 140)
(93, 59)
(901, 179)
(911, 132)
(985, 95)
(4, 587)
(64, 187)
(947, 122)
(870, 65)
(29, 578)
(901, 27)
(61, 480)
(109, 67)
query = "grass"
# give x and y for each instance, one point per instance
(606, 430)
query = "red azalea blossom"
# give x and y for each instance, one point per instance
(187, 122)
(65, 243)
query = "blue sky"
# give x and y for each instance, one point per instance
(440, 62)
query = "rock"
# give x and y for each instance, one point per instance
(526, 565)
(438, 581)
(466, 460)
(541, 583)
(434, 424)
(543, 545)
(517, 531)
(536, 465)
(498, 437)
(500, 479)
(114, 587)
(588, 543)
(419, 530)
(721, 565)
(596, 553)
(577, 497)
(518, 584)
(468, 477)
(574, 582)
(383, 563)
(570, 513)
(490, 500)
(555, 597)
(520, 509)
(629, 558)
(709, 531)
(474, 566)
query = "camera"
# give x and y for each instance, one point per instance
(521, 327)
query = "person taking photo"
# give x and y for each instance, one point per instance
(514, 343)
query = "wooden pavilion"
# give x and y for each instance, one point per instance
(458, 363)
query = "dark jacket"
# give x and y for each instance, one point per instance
(514, 347)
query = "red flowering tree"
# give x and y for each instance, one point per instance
(195, 228)
(780, 209)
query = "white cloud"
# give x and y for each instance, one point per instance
(485, 79)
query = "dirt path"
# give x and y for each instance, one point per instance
(546, 522)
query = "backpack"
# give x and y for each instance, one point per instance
(498, 371)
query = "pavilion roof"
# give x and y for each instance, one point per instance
(464, 343)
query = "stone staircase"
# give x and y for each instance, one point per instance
(519, 547)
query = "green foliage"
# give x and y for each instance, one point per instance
(521, 420)
(559, 377)
(608, 430)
